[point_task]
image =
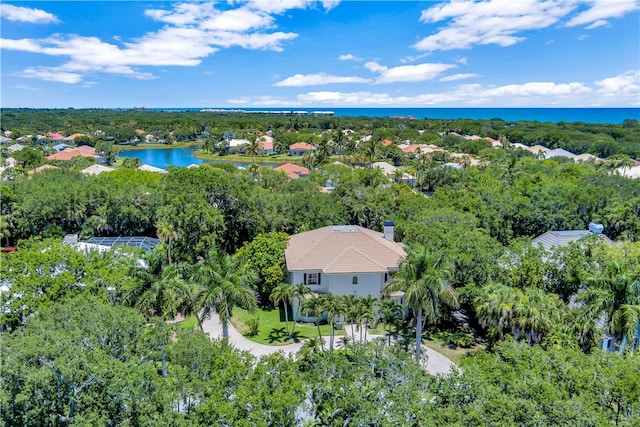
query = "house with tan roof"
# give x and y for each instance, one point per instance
(299, 148)
(70, 153)
(343, 260)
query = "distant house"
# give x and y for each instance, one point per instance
(96, 169)
(293, 171)
(299, 148)
(57, 137)
(628, 172)
(266, 146)
(15, 147)
(558, 152)
(70, 153)
(391, 172)
(555, 238)
(60, 147)
(416, 149)
(343, 260)
(587, 157)
(42, 168)
(150, 168)
(5, 140)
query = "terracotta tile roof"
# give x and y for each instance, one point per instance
(74, 136)
(70, 153)
(340, 249)
(386, 142)
(266, 145)
(292, 170)
(55, 136)
(423, 148)
(301, 145)
(86, 149)
(42, 168)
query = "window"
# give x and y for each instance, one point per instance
(312, 278)
(354, 280)
(386, 277)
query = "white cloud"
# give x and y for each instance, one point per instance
(192, 32)
(25, 14)
(414, 58)
(601, 10)
(407, 73)
(329, 4)
(623, 85)
(463, 60)
(541, 94)
(596, 24)
(490, 22)
(460, 76)
(582, 37)
(319, 79)
(52, 75)
(349, 57)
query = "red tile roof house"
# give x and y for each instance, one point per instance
(299, 148)
(266, 147)
(344, 260)
(293, 171)
(70, 153)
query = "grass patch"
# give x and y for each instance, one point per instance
(452, 352)
(274, 332)
(242, 158)
(187, 324)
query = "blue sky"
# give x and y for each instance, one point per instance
(332, 53)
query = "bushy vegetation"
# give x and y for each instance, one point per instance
(84, 334)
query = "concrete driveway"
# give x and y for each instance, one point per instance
(437, 363)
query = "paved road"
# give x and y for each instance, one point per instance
(436, 362)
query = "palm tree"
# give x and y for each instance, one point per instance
(299, 292)
(254, 148)
(282, 294)
(390, 312)
(167, 233)
(335, 308)
(495, 307)
(225, 285)
(616, 293)
(314, 306)
(351, 302)
(369, 305)
(308, 159)
(424, 278)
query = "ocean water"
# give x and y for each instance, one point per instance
(552, 115)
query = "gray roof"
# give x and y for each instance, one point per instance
(558, 152)
(147, 244)
(552, 239)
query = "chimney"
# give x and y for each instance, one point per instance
(596, 228)
(388, 229)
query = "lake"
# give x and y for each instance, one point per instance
(179, 157)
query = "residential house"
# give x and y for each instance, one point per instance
(5, 140)
(96, 169)
(150, 168)
(293, 171)
(416, 149)
(558, 152)
(392, 173)
(266, 145)
(299, 148)
(628, 171)
(57, 137)
(344, 260)
(70, 153)
(585, 157)
(60, 147)
(552, 239)
(42, 168)
(15, 147)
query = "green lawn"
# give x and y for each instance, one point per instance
(272, 331)
(243, 158)
(189, 323)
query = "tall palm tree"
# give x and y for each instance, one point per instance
(225, 285)
(495, 307)
(254, 148)
(299, 292)
(281, 294)
(615, 292)
(369, 304)
(351, 302)
(334, 307)
(390, 312)
(424, 278)
(168, 233)
(315, 307)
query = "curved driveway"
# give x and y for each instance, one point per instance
(436, 363)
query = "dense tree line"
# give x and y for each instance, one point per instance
(120, 126)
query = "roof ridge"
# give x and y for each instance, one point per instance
(344, 252)
(322, 238)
